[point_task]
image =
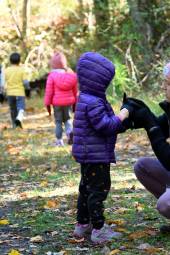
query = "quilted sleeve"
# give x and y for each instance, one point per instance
(49, 91)
(100, 119)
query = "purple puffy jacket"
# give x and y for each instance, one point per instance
(95, 125)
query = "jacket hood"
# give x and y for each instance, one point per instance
(94, 72)
(58, 60)
(64, 81)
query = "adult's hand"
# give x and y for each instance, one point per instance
(127, 124)
(144, 118)
(133, 102)
(138, 110)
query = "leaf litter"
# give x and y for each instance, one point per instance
(32, 221)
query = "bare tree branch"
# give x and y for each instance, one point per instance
(162, 39)
(14, 18)
(132, 69)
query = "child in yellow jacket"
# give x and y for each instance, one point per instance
(15, 78)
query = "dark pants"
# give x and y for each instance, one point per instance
(93, 190)
(154, 178)
(16, 103)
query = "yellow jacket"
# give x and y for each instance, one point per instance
(14, 77)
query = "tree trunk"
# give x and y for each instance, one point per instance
(86, 15)
(25, 17)
(151, 25)
(102, 16)
(143, 28)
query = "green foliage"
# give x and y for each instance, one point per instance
(70, 26)
(121, 82)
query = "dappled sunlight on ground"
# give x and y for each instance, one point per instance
(59, 192)
(39, 187)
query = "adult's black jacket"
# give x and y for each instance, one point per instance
(159, 134)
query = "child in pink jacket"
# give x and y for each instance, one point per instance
(61, 93)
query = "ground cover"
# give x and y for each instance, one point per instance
(38, 193)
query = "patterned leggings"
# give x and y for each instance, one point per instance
(93, 190)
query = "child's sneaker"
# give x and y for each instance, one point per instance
(60, 143)
(19, 118)
(82, 229)
(18, 123)
(103, 235)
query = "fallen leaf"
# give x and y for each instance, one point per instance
(133, 187)
(121, 210)
(56, 253)
(60, 253)
(137, 235)
(139, 207)
(54, 233)
(152, 232)
(36, 239)
(121, 230)
(153, 250)
(14, 252)
(70, 212)
(23, 195)
(76, 240)
(117, 222)
(44, 184)
(4, 222)
(116, 251)
(51, 204)
(149, 249)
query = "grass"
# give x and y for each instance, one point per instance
(39, 185)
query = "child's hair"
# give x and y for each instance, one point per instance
(58, 60)
(15, 58)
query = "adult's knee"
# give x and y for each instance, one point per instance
(163, 207)
(139, 167)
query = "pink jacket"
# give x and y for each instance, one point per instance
(61, 88)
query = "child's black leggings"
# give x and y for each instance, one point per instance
(93, 189)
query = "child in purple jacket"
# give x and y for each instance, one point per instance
(95, 130)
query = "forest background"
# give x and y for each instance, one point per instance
(134, 34)
(39, 181)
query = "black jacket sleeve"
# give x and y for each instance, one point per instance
(162, 121)
(160, 146)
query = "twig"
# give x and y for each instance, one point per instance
(30, 53)
(18, 30)
(162, 39)
(133, 69)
